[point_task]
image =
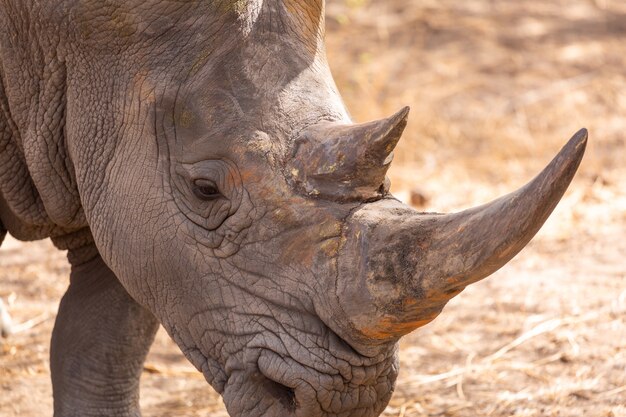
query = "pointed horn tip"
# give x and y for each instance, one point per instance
(574, 149)
(580, 137)
(395, 119)
(395, 123)
(400, 115)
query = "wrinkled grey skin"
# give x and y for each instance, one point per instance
(110, 111)
(196, 161)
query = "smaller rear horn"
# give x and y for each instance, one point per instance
(347, 162)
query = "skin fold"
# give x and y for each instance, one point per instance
(198, 164)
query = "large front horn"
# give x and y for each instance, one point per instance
(398, 268)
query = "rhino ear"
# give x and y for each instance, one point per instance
(347, 161)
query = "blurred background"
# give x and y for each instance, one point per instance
(496, 87)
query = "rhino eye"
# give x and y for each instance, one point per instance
(206, 190)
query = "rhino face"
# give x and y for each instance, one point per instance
(254, 219)
(248, 257)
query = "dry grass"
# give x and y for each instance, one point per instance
(496, 88)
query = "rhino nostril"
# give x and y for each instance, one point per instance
(284, 394)
(278, 382)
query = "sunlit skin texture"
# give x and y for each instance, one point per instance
(156, 95)
(173, 148)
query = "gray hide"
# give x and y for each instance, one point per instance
(197, 162)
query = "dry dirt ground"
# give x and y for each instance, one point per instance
(496, 88)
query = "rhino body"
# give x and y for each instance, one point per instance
(197, 163)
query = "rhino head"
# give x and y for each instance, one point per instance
(242, 206)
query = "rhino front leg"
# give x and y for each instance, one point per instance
(100, 341)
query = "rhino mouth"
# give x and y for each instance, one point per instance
(279, 385)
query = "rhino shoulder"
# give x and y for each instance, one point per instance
(38, 193)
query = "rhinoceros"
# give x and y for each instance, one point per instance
(198, 164)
